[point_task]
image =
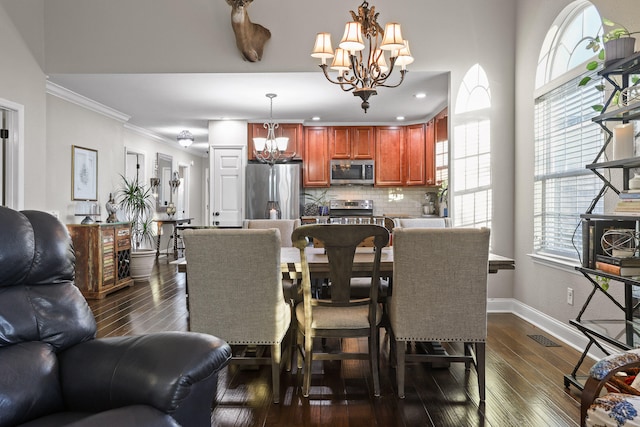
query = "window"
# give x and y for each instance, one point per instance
(565, 137)
(471, 191)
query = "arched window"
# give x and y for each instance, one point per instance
(471, 153)
(565, 137)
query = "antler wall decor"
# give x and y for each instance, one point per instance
(250, 37)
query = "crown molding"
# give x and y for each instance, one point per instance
(75, 98)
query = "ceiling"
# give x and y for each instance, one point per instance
(179, 68)
(165, 104)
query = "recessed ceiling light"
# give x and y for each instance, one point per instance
(400, 118)
(420, 95)
(315, 118)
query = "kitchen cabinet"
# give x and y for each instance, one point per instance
(622, 333)
(351, 142)
(102, 253)
(390, 157)
(430, 139)
(294, 131)
(315, 164)
(415, 155)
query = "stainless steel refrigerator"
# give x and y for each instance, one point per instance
(284, 185)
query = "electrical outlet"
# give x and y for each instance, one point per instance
(570, 296)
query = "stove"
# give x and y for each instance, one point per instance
(347, 208)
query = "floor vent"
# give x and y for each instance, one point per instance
(543, 340)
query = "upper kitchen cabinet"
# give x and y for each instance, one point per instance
(415, 155)
(294, 131)
(316, 157)
(351, 142)
(390, 157)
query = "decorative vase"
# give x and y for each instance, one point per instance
(617, 49)
(141, 264)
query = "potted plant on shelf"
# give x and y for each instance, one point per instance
(136, 202)
(615, 44)
(318, 203)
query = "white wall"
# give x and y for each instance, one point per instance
(23, 82)
(543, 286)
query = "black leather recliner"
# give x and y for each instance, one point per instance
(53, 372)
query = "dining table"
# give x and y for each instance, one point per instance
(362, 263)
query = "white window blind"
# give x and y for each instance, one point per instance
(565, 141)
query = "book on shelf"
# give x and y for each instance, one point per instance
(628, 205)
(622, 262)
(618, 270)
(629, 195)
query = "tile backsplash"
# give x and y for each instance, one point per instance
(386, 201)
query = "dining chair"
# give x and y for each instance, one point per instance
(440, 295)
(291, 288)
(235, 292)
(339, 316)
(286, 227)
(423, 222)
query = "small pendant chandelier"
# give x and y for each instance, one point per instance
(271, 150)
(358, 72)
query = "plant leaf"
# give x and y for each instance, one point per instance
(597, 107)
(584, 81)
(592, 65)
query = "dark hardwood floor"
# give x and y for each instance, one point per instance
(524, 377)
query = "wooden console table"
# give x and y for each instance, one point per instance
(102, 254)
(174, 222)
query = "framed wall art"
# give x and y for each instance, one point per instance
(84, 173)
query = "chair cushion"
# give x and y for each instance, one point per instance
(127, 416)
(338, 317)
(29, 383)
(614, 409)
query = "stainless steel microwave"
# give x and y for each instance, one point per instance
(352, 172)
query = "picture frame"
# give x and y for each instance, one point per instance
(84, 173)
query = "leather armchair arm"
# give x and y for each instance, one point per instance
(162, 370)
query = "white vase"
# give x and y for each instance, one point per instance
(141, 264)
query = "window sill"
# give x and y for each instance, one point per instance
(558, 263)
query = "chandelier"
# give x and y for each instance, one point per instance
(271, 150)
(185, 138)
(359, 71)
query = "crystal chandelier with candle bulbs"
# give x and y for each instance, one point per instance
(271, 150)
(363, 71)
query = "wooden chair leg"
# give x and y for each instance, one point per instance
(480, 369)
(373, 361)
(299, 347)
(401, 348)
(276, 359)
(467, 352)
(308, 357)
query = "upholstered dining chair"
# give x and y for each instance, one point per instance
(340, 316)
(235, 289)
(286, 227)
(440, 295)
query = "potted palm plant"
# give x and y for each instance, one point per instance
(136, 202)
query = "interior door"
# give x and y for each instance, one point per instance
(227, 185)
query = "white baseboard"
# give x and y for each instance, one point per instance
(562, 331)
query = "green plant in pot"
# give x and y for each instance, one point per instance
(318, 203)
(615, 44)
(136, 202)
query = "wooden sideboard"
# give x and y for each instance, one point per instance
(103, 253)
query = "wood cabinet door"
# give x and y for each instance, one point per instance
(340, 142)
(415, 155)
(294, 131)
(430, 153)
(362, 142)
(316, 157)
(389, 148)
